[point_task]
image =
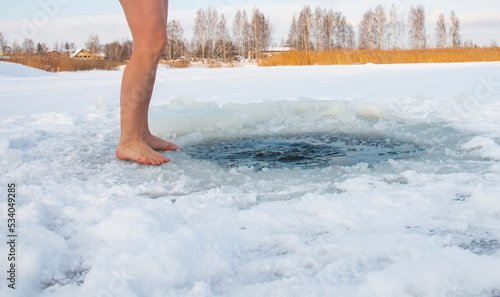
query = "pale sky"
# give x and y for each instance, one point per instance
(53, 21)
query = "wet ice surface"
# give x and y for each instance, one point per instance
(304, 151)
(422, 222)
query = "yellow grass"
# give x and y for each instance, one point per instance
(62, 63)
(220, 64)
(176, 64)
(349, 57)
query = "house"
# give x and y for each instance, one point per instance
(270, 51)
(274, 51)
(82, 54)
(279, 49)
(53, 54)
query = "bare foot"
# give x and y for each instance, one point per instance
(160, 144)
(140, 152)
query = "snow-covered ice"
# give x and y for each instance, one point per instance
(91, 225)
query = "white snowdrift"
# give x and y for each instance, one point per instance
(16, 70)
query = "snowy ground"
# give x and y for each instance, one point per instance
(90, 225)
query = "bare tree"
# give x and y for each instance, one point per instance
(293, 34)
(402, 31)
(367, 31)
(4, 47)
(395, 27)
(238, 32)
(328, 27)
(93, 44)
(247, 34)
(28, 46)
(119, 50)
(55, 47)
(334, 31)
(380, 23)
(255, 31)
(372, 29)
(16, 47)
(213, 21)
(441, 32)
(344, 32)
(200, 31)
(261, 32)
(241, 33)
(305, 24)
(69, 47)
(416, 22)
(318, 27)
(468, 43)
(455, 30)
(113, 51)
(350, 37)
(3, 44)
(175, 46)
(223, 37)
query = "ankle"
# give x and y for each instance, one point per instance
(125, 141)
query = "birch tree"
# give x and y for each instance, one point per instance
(212, 22)
(416, 22)
(329, 26)
(394, 26)
(318, 27)
(223, 37)
(441, 32)
(175, 44)
(455, 30)
(380, 25)
(200, 32)
(246, 33)
(304, 23)
(3, 44)
(261, 31)
(238, 32)
(293, 34)
(367, 31)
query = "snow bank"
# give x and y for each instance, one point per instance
(16, 70)
(91, 225)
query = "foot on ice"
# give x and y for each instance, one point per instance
(140, 152)
(160, 144)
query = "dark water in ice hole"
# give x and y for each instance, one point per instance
(306, 151)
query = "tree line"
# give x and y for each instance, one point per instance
(312, 30)
(212, 37)
(28, 46)
(251, 34)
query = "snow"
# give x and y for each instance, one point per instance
(91, 225)
(16, 70)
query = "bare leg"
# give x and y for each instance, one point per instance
(153, 141)
(147, 20)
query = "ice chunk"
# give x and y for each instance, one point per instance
(484, 147)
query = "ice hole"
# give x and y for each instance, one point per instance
(306, 151)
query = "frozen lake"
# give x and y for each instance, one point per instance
(367, 180)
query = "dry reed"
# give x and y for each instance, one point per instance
(176, 64)
(63, 63)
(350, 57)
